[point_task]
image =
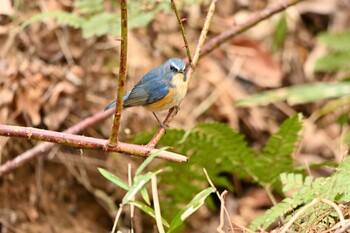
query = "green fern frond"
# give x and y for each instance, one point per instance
(271, 215)
(294, 182)
(276, 155)
(89, 6)
(334, 188)
(338, 42)
(213, 146)
(61, 17)
(100, 24)
(220, 150)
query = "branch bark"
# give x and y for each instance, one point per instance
(113, 140)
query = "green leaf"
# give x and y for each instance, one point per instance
(190, 208)
(139, 182)
(148, 210)
(145, 195)
(338, 42)
(298, 94)
(113, 178)
(333, 62)
(280, 32)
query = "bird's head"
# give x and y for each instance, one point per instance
(174, 66)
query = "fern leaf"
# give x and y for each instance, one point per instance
(62, 17)
(220, 149)
(335, 188)
(89, 6)
(276, 155)
(271, 215)
(214, 146)
(104, 23)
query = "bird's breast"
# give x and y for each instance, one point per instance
(180, 87)
(176, 94)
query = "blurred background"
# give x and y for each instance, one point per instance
(59, 64)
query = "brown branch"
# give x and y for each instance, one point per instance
(172, 112)
(181, 26)
(122, 74)
(45, 146)
(77, 141)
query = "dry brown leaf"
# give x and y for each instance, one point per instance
(63, 87)
(28, 101)
(56, 116)
(259, 66)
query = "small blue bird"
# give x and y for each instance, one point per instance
(160, 89)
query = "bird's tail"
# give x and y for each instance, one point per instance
(113, 104)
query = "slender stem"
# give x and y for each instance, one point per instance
(117, 218)
(122, 74)
(172, 112)
(270, 194)
(182, 31)
(203, 36)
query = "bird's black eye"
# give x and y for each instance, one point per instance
(173, 68)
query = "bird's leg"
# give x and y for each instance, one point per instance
(164, 126)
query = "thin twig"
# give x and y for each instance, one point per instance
(181, 26)
(122, 74)
(172, 112)
(117, 218)
(223, 208)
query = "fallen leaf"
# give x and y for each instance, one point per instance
(259, 66)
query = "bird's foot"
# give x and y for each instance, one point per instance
(161, 124)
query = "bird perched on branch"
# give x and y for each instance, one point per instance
(160, 89)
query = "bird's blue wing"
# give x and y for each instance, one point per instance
(146, 93)
(150, 88)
